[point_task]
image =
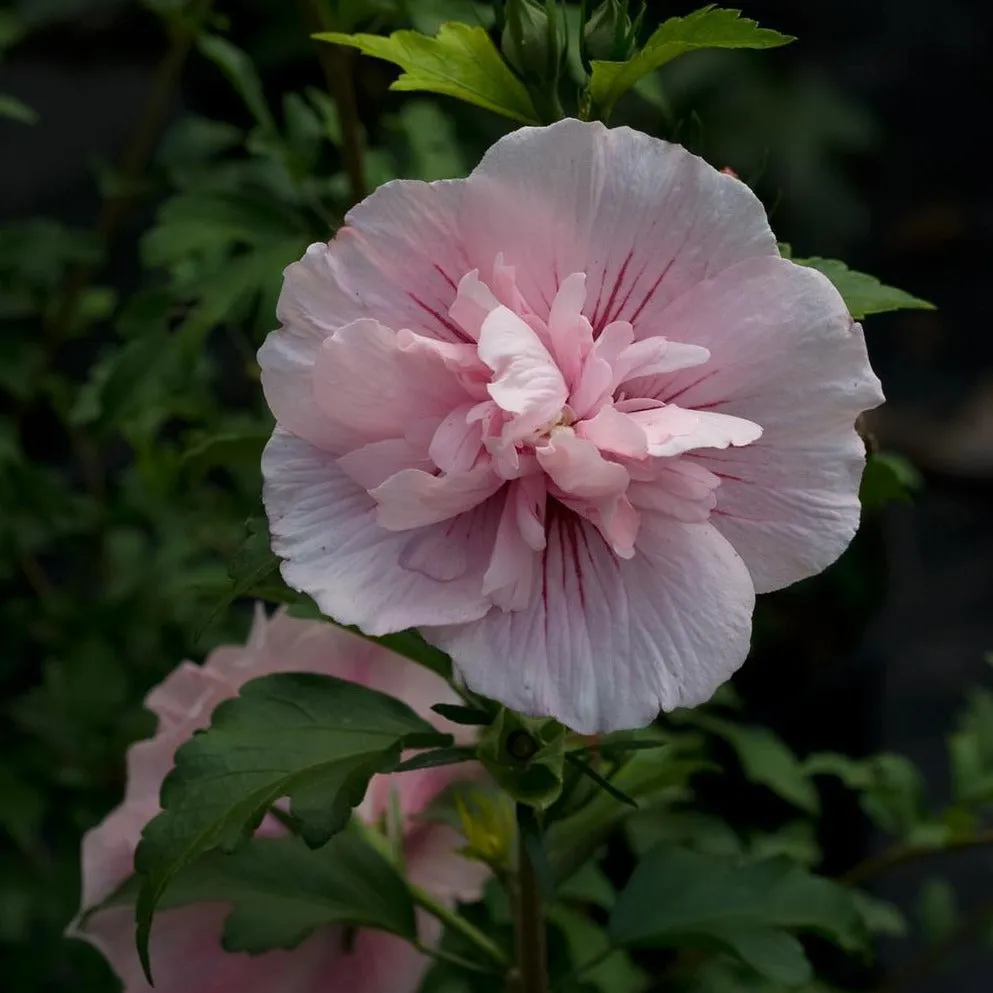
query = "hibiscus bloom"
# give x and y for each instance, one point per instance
(568, 414)
(186, 941)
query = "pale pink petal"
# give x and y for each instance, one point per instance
(188, 693)
(610, 642)
(612, 431)
(434, 864)
(457, 441)
(787, 356)
(644, 219)
(311, 308)
(672, 430)
(653, 356)
(372, 389)
(400, 257)
(509, 580)
(597, 379)
(414, 499)
(526, 379)
(473, 302)
(374, 463)
(324, 527)
(576, 466)
(568, 330)
(188, 958)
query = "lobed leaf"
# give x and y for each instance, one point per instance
(460, 61)
(710, 27)
(315, 739)
(864, 294)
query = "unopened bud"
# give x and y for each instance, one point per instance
(610, 34)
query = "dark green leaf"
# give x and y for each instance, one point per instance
(411, 645)
(470, 716)
(279, 890)
(711, 27)
(586, 943)
(226, 450)
(765, 758)
(16, 110)
(888, 478)
(605, 784)
(460, 61)
(240, 71)
(315, 739)
(437, 757)
(679, 898)
(864, 295)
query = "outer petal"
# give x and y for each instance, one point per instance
(787, 356)
(324, 527)
(644, 219)
(610, 642)
(187, 953)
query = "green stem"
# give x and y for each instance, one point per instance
(897, 855)
(458, 923)
(457, 960)
(336, 64)
(532, 961)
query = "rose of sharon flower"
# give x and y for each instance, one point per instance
(569, 414)
(186, 941)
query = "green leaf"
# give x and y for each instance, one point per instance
(711, 27)
(646, 776)
(880, 916)
(864, 295)
(315, 739)
(765, 758)
(888, 478)
(586, 942)
(437, 757)
(240, 71)
(971, 751)
(690, 828)
(587, 769)
(457, 714)
(279, 891)
(460, 61)
(16, 110)
(411, 645)
(937, 909)
(225, 450)
(679, 898)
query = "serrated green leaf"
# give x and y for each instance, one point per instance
(460, 61)
(315, 739)
(711, 27)
(17, 110)
(880, 916)
(241, 73)
(225, 450)
(679, 898)
(279, 891)
(644, 777)
(765, 758)
(586, 942)
(887, 478)
(863, 294)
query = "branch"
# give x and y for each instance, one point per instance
(897, 855)
(336, 64)
(134, 161)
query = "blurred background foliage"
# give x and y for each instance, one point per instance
(148, 217)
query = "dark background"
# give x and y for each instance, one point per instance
(867, 139)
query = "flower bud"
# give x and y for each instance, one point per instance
(610, 33)
(534, 39)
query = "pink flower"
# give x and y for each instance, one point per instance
(186, 950)
(569, 414)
